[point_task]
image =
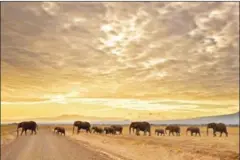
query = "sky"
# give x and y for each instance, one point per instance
(138, 60)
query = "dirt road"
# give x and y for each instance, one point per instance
(48, 146)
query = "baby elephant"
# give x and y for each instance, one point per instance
(59, 130)
(109, 130)
(97, 129)
(117, 128)
(195, 130)
(159, 131)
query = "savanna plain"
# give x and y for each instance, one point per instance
(132, 147)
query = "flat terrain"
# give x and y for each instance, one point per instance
(46, 145)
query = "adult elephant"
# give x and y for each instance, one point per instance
(217, 127)
(173, 129)
(117, 128)
(193, 130)
(82, 125)
(140, 126)
(27, 125)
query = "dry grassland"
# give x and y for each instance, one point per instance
(8, 133)
(166, 147)
(153, 147)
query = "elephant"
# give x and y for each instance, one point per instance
(118, 128)
(159, 131)
(27, 125)
(217, 127)
(97, 129)
(55, 129)
(172, 129)
(195, 130)
(60, 130)
(110, 130)
(82, 125)
(140, 126)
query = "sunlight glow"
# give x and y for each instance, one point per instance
(59, 99)
(106, 28)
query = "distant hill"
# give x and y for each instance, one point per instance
(232, 119)
(66, 118)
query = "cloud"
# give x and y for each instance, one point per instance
(121, 50)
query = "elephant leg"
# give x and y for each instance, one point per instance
(226, 133)
(221, 134)
(137, 132)
(191, 134)
(22, 131)
(25, 131)
(214, 133)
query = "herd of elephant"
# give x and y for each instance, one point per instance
(134, 126)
